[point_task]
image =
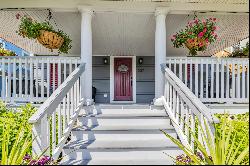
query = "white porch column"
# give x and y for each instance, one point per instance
(160, 49)
(86, 53)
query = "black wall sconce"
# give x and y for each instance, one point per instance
(140, 61)
(105, 61)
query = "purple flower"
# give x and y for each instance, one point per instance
(200, 155)
(27, 157)
(33, 162)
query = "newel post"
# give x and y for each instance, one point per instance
(40, 137)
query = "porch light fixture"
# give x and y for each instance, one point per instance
(140, 61)
(105, 61)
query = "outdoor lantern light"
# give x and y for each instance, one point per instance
(105, 61)
(140, 61)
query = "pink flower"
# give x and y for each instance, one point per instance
(205, 30)
(214, 19)
(196, 21)
(215, 36)
(206, 40)
(214, 27)
(200, 34)
(200, 44)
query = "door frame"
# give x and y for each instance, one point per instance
(112, 79)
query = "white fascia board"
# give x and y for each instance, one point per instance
(117, 6)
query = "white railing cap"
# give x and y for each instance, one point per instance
(52, 102)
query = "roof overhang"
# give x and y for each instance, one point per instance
(144, 6)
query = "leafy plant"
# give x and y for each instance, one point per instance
(32, 29)
(4, 52)
(14, 152)
(197, 35)
(223, 148)
(240, 52)
(16, 120)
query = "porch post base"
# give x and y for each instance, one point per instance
(89, 102)
(158, 102)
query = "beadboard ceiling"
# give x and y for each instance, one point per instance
(123, 33)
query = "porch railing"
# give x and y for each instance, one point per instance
(33, 79)
(183, 108)
(223, 80)
(54, 120)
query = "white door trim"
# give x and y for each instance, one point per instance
(112, 79)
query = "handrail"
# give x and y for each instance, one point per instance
(54, 120)
(33, 78)
(213, 80)
(181, 88)
(184, 108)
(52, 102)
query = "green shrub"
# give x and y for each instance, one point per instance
(241, 126)
(228, 147)
(16, 120)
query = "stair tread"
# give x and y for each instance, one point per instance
(134, 142)
(124, 156)
(121, 127)
(117, 162)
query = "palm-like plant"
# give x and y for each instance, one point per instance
(220, 149)
(20, 147)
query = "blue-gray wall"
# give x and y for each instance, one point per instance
(144, 79)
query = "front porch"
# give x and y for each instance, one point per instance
(123, 81)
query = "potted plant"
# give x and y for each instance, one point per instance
(197, 35)
(44, 33)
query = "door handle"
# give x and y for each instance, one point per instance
(131, 81)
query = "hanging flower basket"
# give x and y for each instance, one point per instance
(44, 33)
(50, 40)
(197, 35)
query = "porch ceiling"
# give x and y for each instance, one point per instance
(123, 33)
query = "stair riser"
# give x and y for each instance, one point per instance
(85, 154)
(139, 123)
(124, 112)
(93, 135)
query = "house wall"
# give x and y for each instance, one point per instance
(144, 79)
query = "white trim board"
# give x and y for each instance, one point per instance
(112, 79)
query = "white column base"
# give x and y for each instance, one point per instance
(89, 102)
(158, 101)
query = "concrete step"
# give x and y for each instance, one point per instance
(93, 123)
(123, 155)
(166, 161)
(120, 144)
(119, 111)
(121, 135)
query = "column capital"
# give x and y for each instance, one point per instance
(86, 9)
(162, 11)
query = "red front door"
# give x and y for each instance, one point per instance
(123, 79)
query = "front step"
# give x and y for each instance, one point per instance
(121, 156)
(123, 111)
(94, 123)
(121, 135)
